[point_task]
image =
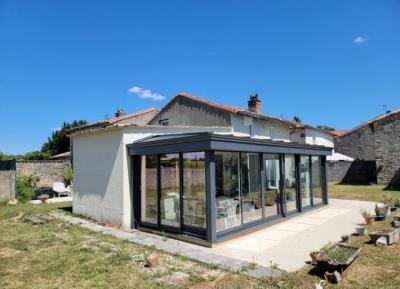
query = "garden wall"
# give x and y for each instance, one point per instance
(351, 171)
(7, 185)
(49, 171)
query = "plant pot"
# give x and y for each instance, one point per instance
(43, 198)
(361, 230)
(396, 224)
(370, 220)
(345, 239)
(380, 218)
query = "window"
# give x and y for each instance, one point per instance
(194, 189)
(149, 189)
(305, 181)
(290, 183)
(272, 180)
(251, 187)
(170, 193)
(227, 190)
(164, 122)
(316, 179)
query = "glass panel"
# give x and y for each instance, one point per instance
(194, 189)
(316, 179)
(290, 182)
(149, 189)
(272, 179)
(305, 184)
(251, 187)
(227, 190)
(169, 201)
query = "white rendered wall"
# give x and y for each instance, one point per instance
(315, 137)
(98, 176)
(102, 171)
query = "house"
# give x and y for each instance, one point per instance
(198, 170)
(375, 146)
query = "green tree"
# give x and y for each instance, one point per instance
(325, 127)
(59, 141)
(297, 119)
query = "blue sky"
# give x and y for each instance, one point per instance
(330, 62)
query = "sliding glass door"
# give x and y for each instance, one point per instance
(290, 183)
(170, 190)
(194, 190)
(305, 181)
(272, 185)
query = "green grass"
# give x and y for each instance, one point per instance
(59, 255)
(374, 193)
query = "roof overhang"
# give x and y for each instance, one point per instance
(211, 141)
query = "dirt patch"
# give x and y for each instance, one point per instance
(175, 278)
(9, 252)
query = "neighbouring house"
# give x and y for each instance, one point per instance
(375, 146)
(198, 170)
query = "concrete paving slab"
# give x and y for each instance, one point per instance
(286, 245)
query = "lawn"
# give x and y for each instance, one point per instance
(374, 193)
(59, 255)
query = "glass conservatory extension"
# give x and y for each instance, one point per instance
(210, 187)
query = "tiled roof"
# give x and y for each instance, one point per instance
(114, 120)
(239, 110)
(341, 132)
(372, 121)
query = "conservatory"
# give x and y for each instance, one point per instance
(210, 187)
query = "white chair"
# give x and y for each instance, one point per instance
(60, 189)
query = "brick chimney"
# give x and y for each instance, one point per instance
(119, 112)
(254, 104)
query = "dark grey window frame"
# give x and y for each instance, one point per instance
(209, 143)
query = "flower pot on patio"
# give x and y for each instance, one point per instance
(369, 218)
(361, 230)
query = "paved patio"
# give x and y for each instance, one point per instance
(286, 244)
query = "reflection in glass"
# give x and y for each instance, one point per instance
(251, 187)
(149, 189)
(169, 201)
(272, 180)
(305, 184)
(227, 190)
(316, 179)
(194, 189)
(290, 182)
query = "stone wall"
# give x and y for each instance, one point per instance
(48, 171)
(351, 172)
(359, 144)
(387, 139)
(7, 185)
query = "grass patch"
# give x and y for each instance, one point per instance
(373, 193)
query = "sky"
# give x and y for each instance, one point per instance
(331, 62)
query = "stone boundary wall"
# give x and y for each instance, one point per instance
(351, 171)
(7, 185)
(49, 171)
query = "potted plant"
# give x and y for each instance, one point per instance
(313, 255)
(368, 217)
(361, 230)
(381, 212)
(345, 239)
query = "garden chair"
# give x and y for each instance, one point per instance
(60, 189)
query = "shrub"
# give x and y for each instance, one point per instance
(25, 186)
(68, 176)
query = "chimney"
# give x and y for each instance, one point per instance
(119, 112)
(254, 104)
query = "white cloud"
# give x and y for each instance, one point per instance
(360, 40)
(145, 93)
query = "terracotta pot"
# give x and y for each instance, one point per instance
(370, 220)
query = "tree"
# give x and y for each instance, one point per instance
(325, 127)
(59, 141)
(297, 119)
